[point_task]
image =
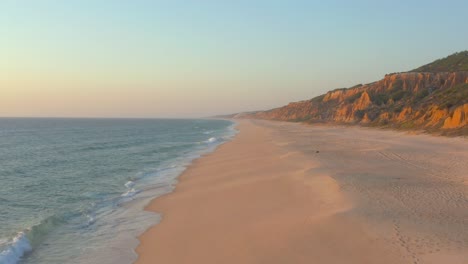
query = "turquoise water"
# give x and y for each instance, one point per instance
(73, 190)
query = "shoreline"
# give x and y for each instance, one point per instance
(405, 131)
(265, 196)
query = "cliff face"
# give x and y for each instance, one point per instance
(412, 100)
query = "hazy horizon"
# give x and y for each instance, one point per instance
(189, 59)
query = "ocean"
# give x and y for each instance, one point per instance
(73, 190)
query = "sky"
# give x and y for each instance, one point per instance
(196, 58)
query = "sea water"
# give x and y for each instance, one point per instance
(73, 190)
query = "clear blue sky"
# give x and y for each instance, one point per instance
(195, 58)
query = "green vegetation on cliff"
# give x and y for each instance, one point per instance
(455, 62)
(453, 96)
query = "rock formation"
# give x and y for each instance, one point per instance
(431, 101)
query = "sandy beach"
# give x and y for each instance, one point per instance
(293, 193)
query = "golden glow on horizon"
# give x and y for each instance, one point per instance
(181, 90)
(84, 98)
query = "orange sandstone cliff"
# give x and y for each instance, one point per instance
(432, 98)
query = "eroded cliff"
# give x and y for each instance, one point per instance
(411, 100)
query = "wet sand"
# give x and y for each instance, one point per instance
(291, 193)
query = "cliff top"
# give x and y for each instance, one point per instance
(455, 62)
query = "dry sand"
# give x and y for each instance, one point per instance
(367, 196)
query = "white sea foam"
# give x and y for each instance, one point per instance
(211, 140)
(130, 190)
(91, 219)
(19, 246)
(130, 193)
(130, 184)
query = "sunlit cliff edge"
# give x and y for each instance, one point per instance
(432, 98)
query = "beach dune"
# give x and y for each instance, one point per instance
(291, 193)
